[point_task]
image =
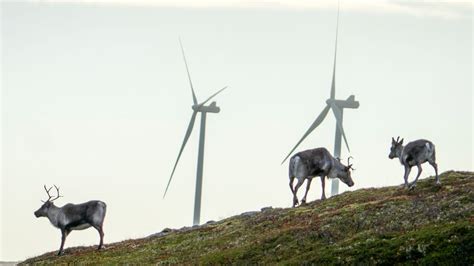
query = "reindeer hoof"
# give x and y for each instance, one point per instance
(412, 186)
(295, 202)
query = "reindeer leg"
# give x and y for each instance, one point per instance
(323, 184)
(308, 184)
(298, 185)
(435, 166)
(407, 173)
(291, 183)
(292, 179)
(413, 185)
(101, 234)
(64, 233)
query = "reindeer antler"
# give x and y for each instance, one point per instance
(47, 192)
(57, 190)
(349, 163)
(49, 196)
(348, 160)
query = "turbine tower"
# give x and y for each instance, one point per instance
(203, 109)
(337, 107)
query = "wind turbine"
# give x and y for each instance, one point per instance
(203, 109)
(337, 107)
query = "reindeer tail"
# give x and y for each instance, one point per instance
(294, 162)
(431, 149)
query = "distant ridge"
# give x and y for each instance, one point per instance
(9, 263)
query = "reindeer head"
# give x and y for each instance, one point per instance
(43, 210)
(396, 149)
(345, 174)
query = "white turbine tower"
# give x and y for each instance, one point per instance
(203, 109)
(337, 107)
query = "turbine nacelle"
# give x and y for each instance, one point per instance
(212, 108)
(348, 103)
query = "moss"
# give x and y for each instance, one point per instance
(390, 225)
(431, 245)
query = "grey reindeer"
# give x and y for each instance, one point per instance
(73, 216)
(414, 153)
(316, 162)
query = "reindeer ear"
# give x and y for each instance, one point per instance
(401, 141)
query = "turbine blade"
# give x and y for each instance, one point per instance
(314, 125)
(187, 70)
(212, 96)
(333, 85)
(186, 137)
(338, 114)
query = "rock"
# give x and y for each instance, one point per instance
(166, 230)
(156, 235)
(162, 233)
(249, 214)
(278, 247)
(266, 209)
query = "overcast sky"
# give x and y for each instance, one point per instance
(95, 99)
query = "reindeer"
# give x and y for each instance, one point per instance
(73, 217)
(414, 153)
(316, 162)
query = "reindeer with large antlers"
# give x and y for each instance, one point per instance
(73, 216)
(316, 162)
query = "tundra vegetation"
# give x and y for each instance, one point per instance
(388, 225)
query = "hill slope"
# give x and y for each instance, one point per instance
(375, 225)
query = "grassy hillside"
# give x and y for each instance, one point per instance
(375, 225)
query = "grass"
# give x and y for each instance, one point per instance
(390, 225)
